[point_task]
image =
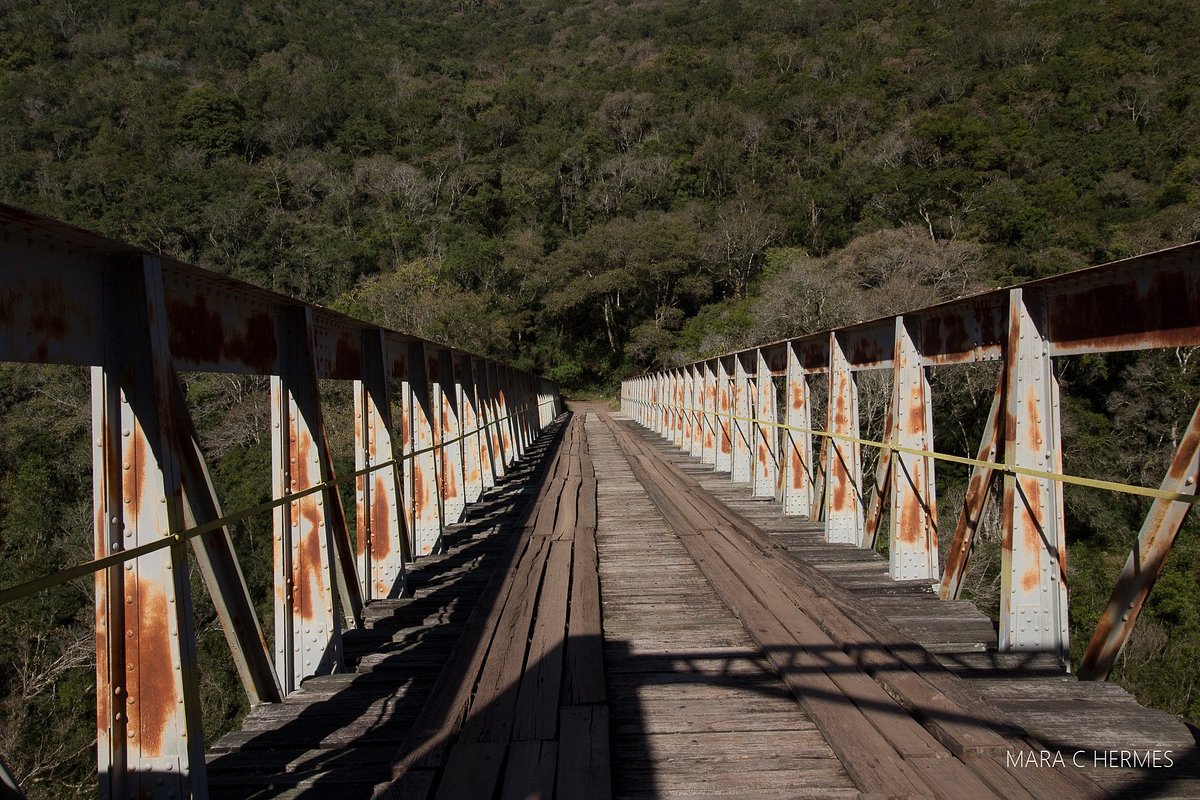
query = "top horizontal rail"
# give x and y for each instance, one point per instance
(1150, 301)
(51, 280)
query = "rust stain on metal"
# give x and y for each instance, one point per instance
(308, 583)
(1157, 309)
(449, 484)
(347, 359)
(381, 543)
(156, 698)
(198, 333)
(420, 489)
(797, 470)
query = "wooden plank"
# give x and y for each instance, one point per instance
(530, 771)
(537, 701)
(584, 771)
(585, 658)
(492, 708)
(472, 770)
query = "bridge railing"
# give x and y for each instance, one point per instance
(726, 410)
(138, 320)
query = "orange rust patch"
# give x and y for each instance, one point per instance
(1029, 580)
(381, 529)
(449, 484)
(420, 489)
(911, 523)
(797, 397)
(156, 702)
(309, 583)
(797, 471)
(1036, 442)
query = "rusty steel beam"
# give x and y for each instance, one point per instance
(308, 613)
(843, 465)
(765, 433)
(724, 449)
(1146, 560)
(708, 447)
(382, 540)
(148, 714)
(882, 485)
(447, 435)
(913, 537)
(797, 448)
(1033, 595)
(468, 404)
(427, 512)
(742, 459)
(1140, 303)
(696, 401)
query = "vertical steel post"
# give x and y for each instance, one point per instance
(724, 450)
(798, 459)
(149, 740)
(427, 510)
(696, 401)
(708, 451)
(483, 414)
(468, 423)
(913, 542)
(308, 614)
(743, 404)
(677, 401)
(766, 430)
(843, 466)
(382, 539)
(1033, 599)
(446, 434)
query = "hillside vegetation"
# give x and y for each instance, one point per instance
(588, 190)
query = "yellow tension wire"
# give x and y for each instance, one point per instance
(1010, 469)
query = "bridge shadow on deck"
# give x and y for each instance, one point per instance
(339, 735)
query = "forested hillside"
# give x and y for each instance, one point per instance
(589, 189)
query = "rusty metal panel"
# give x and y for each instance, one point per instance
(843, 465)
(222, 331)
(1033, 593)
(148, 711)
(337, 345)
(765, 435)
(813, 353)
(1144, 302)
(742, 430)
(50, 312)
(381, 542)
(776, 356)
(1145, 562)
(964, 331)
(308, 635)
(870, 345)
(427, 512)
(913, 542)
(797, 444)
(991, 448)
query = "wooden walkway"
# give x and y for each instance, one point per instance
(616, 620)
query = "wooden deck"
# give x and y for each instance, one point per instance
(615, 619)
